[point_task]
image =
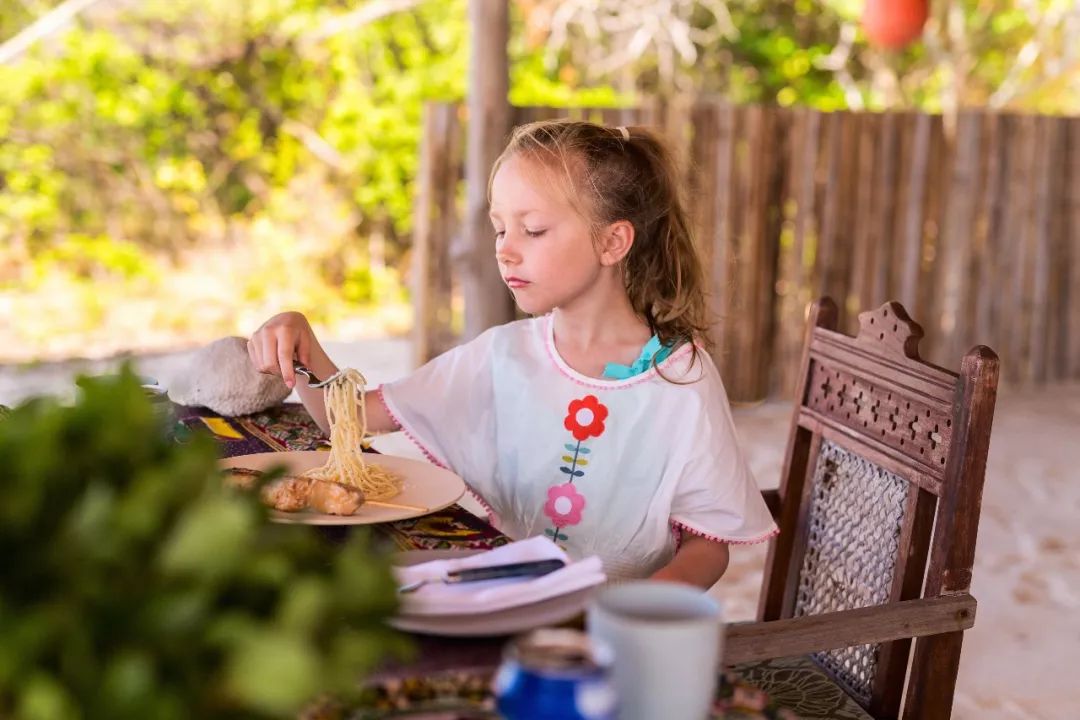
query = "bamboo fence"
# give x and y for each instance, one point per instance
(973, 224)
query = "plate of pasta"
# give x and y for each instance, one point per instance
(345, 486)
(425, 488)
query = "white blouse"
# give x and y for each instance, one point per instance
(604, 467)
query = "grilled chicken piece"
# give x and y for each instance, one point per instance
(242, 478)
(291, 493)
(288, 493)
(335, 498)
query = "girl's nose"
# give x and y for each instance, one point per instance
(505, 252)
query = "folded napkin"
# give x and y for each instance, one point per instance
(489, 595)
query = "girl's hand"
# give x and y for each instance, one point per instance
(288, 337)
(283, 339)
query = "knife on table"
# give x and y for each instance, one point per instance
(533, 568)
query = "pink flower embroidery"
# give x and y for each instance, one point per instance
(585, 418)
(564, 505)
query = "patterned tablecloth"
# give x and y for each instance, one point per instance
(452, 679)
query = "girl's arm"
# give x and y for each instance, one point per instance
(698, 561)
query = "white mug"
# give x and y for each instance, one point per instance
(666, 638)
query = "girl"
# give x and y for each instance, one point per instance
(601, 422)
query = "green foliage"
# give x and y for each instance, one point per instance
(96, 258)
(776, 55)
(240, 157)
(136, 586)
(787, 69)
(167, 123)
(1014, 54)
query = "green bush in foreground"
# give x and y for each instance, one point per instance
(134, 586)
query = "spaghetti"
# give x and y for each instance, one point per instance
(348, 425)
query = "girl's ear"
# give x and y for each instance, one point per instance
(616, 241)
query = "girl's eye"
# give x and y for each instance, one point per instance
(499, 234)
(534, 233)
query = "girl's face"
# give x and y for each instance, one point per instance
(543, 245)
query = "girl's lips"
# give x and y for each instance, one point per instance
(516, 282)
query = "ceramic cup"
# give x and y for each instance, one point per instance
(666, 638)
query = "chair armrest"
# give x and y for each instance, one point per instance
(772, 501)
(749, 642)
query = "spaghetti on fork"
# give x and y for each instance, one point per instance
(344, 396)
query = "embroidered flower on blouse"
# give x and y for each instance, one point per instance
(564, 505)
(585, 418)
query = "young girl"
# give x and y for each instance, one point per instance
(601, 422)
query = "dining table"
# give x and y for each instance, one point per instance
(449, 678)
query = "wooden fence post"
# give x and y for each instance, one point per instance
(487, 301)
(435, 222)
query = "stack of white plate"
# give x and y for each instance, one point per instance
(490, 607)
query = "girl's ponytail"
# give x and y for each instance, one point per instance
(664, 274)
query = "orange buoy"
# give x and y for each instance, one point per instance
(893, 24)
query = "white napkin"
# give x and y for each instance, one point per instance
(484, 596)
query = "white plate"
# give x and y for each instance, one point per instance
(503, 622)
(427, 487)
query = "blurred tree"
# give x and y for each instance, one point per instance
(16, 16)
(1001, 53)
(163, 123)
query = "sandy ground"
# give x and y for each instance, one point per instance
(1017, 661)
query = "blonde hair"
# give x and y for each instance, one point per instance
(612, 174)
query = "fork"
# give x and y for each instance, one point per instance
(313, 382)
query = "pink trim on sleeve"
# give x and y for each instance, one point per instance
(493, 518)
(730, 541)
(408, 433)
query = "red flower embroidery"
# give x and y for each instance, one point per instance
(564, 505)
(585, 418)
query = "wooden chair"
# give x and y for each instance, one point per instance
(878, 511)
